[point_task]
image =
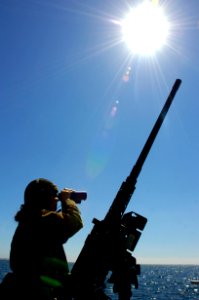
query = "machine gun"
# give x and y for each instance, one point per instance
(108, 247)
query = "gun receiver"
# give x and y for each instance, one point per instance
(107, 247)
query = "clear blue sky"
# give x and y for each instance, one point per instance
(66, 114)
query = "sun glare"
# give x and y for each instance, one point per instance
(145, 29)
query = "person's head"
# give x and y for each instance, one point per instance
(41, 194)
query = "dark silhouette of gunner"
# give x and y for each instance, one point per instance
(37, 257)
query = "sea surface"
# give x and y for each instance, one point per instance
(156, 282)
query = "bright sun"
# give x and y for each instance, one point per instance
(145, 29)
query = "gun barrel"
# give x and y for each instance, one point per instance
(156, 127)
(127, 188)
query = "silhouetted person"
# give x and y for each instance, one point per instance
(37, 257)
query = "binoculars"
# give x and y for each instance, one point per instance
(77, 196)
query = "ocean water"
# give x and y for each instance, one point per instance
(156, 282)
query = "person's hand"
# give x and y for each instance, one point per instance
(65, 194)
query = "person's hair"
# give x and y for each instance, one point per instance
(37, 196)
